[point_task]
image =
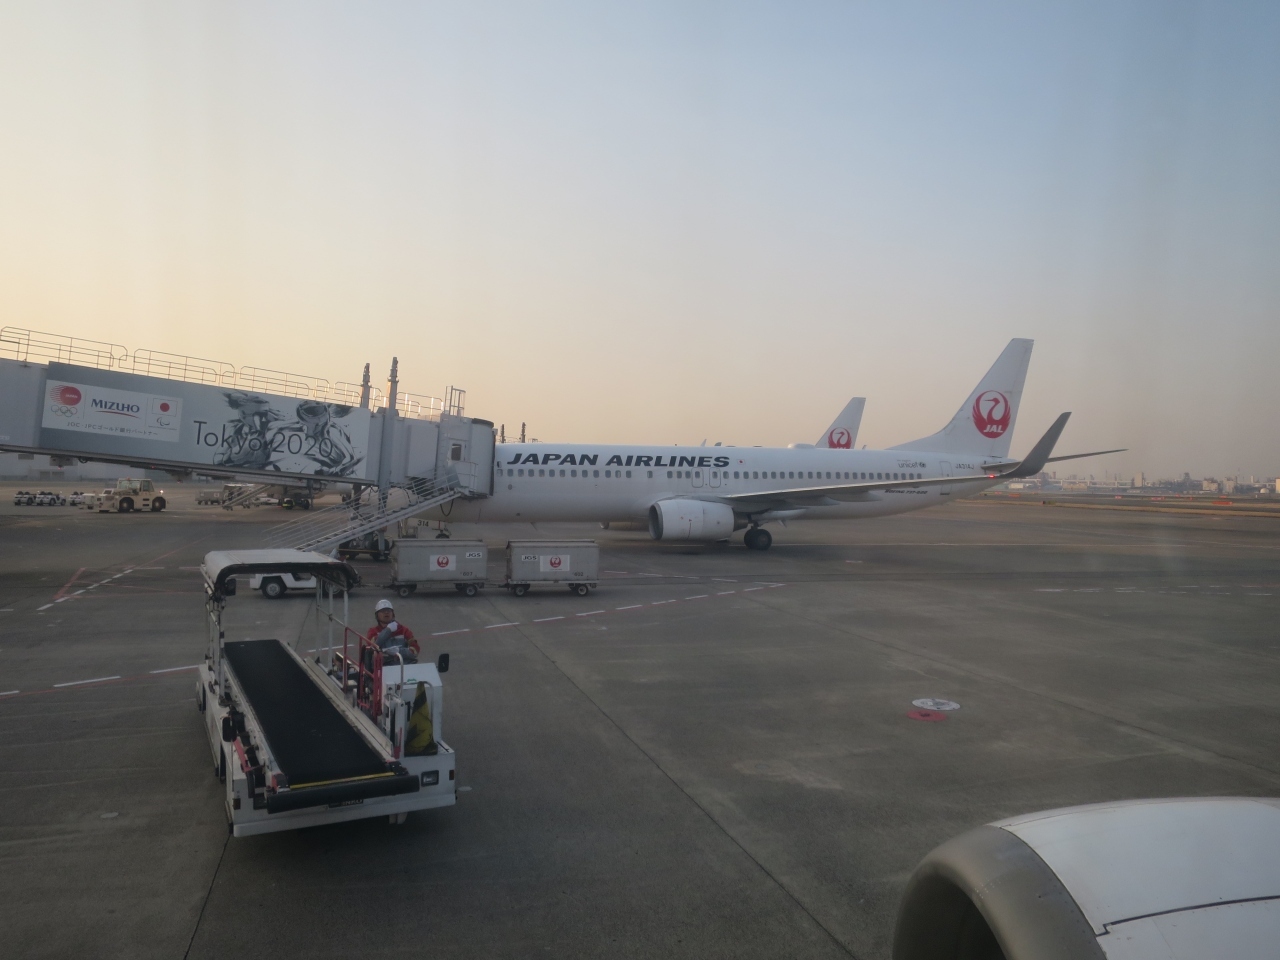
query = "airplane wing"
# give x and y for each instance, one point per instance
(831, 494)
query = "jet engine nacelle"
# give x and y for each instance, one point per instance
(690, 520)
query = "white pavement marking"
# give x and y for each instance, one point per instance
(589, 613)
(45, 607)
(546, 619)
(725, 593)
(749, 589)
(194, 666)
(7, 610)
(696, 596)
(76, 683)
(78, 592)
(1051, 589)
(634, 606)
(445, 633)
(495, 626)
(9, 693)
(658, 603)
(723, 580)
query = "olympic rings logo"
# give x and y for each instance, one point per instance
(62, 410)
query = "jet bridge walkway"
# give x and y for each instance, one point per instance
(321, 755)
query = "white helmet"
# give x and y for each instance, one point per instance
(383, 605)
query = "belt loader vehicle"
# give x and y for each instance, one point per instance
(307, 734)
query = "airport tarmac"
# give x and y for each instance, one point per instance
(710, 756)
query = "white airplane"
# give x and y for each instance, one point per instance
(705, 494)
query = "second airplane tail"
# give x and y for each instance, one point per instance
(983, 426)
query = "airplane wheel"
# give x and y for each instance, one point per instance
(758, 539)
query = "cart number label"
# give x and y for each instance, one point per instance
(553, 563)
(444, 561)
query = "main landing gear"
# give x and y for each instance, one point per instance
(757, 538)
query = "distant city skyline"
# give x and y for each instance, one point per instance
(665, 223)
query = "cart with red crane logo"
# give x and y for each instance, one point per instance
(571, 563)
(417, 564)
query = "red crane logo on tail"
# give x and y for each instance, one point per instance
(991, 413)
(840, 439)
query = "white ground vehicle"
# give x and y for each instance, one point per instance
(276, 585)
(131, 496)
(47, 498)
(76, 499)
(24, 498)
(320, 731)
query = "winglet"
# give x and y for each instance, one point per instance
(1034, 461)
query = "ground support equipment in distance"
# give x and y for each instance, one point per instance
(418, 564)
(571, 563)
(321, 731)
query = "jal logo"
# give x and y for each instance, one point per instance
(66, 395)
(442, 561)
(555, 563)
(991, 413)
(840, 439)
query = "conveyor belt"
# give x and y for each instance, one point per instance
(309, 738)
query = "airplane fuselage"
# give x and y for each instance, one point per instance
(588, 482)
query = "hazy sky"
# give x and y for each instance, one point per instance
(664, 222)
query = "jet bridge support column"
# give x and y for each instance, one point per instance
(388, 444)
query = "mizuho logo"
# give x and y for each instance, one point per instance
(116, 407)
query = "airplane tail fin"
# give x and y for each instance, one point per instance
(983, 426)
(843, 432)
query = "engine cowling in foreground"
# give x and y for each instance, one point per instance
(1177, 879)
(690, 520)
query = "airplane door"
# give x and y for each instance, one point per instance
(945, 471)
(698, 478)
(714, 477)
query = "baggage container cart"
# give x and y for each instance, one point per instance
(464, 564)
(322, 731)
(572, 563)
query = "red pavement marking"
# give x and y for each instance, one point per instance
(928, 716)
(67, 586)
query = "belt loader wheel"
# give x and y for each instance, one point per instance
(520, 589)
(405, 589)
(579, 588)
(469, 589)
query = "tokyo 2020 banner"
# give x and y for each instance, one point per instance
(85, 410)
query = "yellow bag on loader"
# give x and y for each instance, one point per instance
(420, 737)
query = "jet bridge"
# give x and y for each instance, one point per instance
(67, 397)
(309, 735)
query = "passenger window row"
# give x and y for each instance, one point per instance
(737, 474)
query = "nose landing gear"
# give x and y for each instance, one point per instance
(757, 538)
